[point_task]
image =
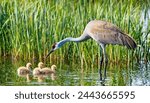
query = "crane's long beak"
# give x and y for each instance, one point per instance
(49, 53)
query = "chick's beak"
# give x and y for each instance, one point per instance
(49, 53)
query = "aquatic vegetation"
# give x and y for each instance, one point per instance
(28, 28)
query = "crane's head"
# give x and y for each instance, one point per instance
(54, 47)
(58, 45)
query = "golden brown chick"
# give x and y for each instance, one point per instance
(48, 71)
(36, 71)
(23, 71)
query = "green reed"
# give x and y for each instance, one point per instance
(28, 28)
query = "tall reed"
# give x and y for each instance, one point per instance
(28, 28)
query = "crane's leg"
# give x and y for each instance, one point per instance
(101, 63)
(105, 59)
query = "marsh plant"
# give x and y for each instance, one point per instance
(28, 28)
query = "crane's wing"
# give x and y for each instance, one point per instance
(108, 33)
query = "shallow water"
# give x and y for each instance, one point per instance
(131, 74)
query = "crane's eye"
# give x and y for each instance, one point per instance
(54, 45)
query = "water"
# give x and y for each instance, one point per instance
(145, 17)
(122, 74)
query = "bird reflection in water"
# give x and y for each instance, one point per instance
(42, 77)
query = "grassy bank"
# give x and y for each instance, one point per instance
(28, 28)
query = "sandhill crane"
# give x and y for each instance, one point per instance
(103, 33)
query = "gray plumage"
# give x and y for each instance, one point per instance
(103, 33)
(107, 33)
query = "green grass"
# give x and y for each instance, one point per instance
(28, 28)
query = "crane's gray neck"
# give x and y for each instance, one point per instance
(83, 37)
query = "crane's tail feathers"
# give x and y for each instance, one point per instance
(129, 42)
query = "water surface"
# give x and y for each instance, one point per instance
(122, 74)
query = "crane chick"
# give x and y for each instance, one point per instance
(23, 71)
(37, 70)
(48, 71)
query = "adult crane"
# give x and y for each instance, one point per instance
(103, 33)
